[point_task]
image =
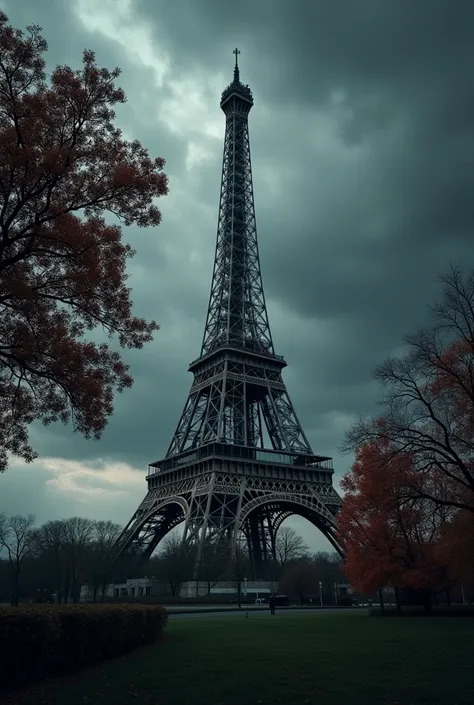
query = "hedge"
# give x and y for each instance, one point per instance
(38, 641)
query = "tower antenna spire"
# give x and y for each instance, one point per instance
(236, 67)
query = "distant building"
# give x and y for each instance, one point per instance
(255, 589)
(141, 587)
(343, 589)
(134, 587)
(152, 587)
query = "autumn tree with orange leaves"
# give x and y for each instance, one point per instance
(428, 401)
(457, 548)
(63, 167)
(389, 538)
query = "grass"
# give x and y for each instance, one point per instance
(292, 660)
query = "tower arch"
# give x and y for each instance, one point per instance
(150, 524)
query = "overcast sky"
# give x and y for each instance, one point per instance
(362, 139)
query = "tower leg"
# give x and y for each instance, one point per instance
(271, 536)
(256, 545)
(202, 530)
(188, 513)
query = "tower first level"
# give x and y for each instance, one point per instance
(233, 496)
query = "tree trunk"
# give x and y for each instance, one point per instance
(96, 590)
(59, 591)
(426, 597)
(448, 597)
(382, 603)
(397, 600)
(66, 588)
(15, 592)
(58, 576)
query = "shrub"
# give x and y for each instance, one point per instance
(38, 641)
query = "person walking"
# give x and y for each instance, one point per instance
(271, 604)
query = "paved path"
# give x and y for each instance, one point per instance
(262, 614)
(253, 607)
(198, 608)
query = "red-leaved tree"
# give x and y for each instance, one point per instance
(457, 548)
(63, 166)
(428, 399)
(389, 539)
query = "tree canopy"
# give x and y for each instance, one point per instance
(64, 167)
(427, 400)
(389, 538)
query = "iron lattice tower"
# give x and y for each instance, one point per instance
(239, 462)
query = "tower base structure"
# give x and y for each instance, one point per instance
(233, 497)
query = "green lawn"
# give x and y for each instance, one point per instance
(321, 659)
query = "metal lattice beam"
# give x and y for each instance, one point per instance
(237, 314)
(241, 408)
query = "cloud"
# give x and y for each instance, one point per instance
(54, 488)
(94, 480)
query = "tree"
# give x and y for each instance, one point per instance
(177, 562)
(213, 563)
(102, 555)
(457, 548)
(388, 537)
(300, 579)
(238, 570)
(78, 534)
(16, 539)
(49, 542)
(289, 546)
(428, 400)
(329, 570)
(63, 166)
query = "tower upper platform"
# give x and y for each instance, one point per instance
(237, 97)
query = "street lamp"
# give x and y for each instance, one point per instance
(321, 593)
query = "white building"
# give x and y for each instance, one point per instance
(152, 587)
(140, 587)
(254, 589)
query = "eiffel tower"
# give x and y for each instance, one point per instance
(239, 462)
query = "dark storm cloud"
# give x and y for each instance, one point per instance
(305, 51)
(362, 147)
(358, 235)
(359, 241)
